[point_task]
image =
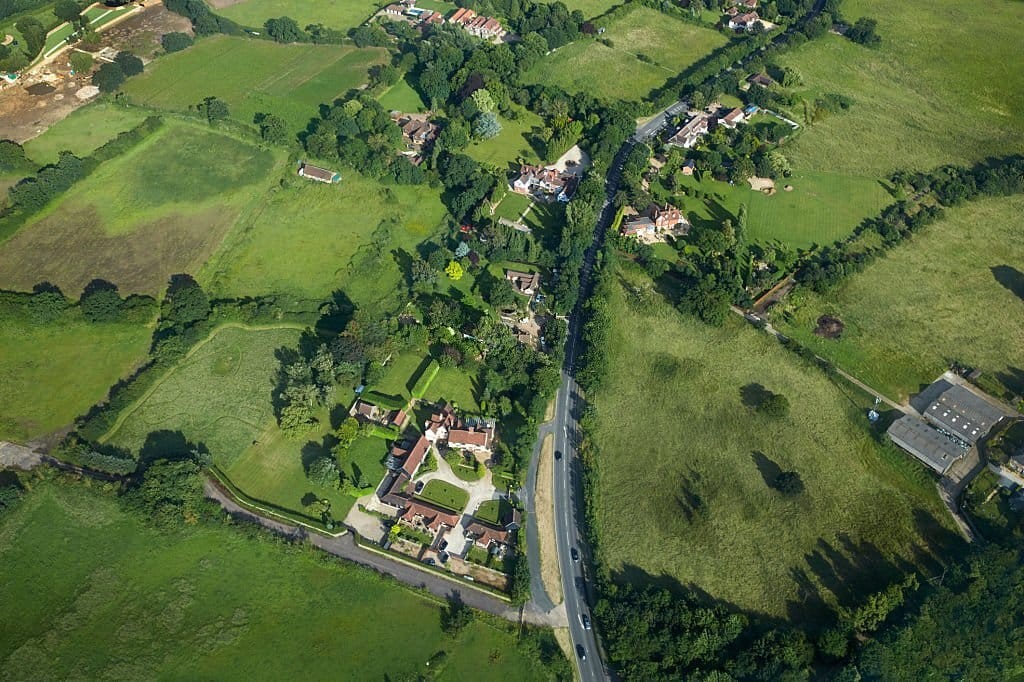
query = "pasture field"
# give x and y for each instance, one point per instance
(821, 208)
(309, 239)
(90, 592)
(615, 72)
(693, 504)
(953, 292)
(254, 76)
(52, 373)
(220, 395)
(592, 8)
(161, 208)
(83, 131)
(510, 145)
(337, 14)
(951, 73)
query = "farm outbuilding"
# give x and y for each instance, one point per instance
(964, 414)
(319, 174)
(929, 445)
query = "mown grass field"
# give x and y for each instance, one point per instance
(510, 145)
(90, 593)
(950, 293)
(402, 97)
(948, 72)
(683, 494)
(592, 8)
(220, 396)
(161, 208)
(309, 239)
(615, 72)
(83, 131)
(337, 14)
(444, 494)
(52, 373)
(821, 208)
(255, 76)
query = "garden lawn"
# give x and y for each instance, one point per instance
(309, 239)
(402, 97)
(445, 495)
(821, 208)
(219, 396)
(83, 131)
(952, 73)
(615, 73)
(400, 375)
(493, 511)
(508, 147)
(692, 504)
(90, 592)
(161, 208)
(952, 292)
(53, 373)
(336, 14)
(512, 206)
(272, 470)
(255, 76)
(453, 385)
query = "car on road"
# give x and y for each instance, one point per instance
(585, 621)
(419, 486)
(574, 553)
(581, 652)
(558, 454)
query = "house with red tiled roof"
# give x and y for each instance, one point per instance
(472, 439)
(733, 118)
(422, 514)
(655, 222)
(745, 22)
(544, 183)
(368, 412)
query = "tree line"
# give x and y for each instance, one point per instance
(929, 194)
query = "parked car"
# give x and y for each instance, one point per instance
(443, 557)
(558, 454)
(419, 486)
(443, 545)
(581, 652)
(574, 553)
(429, 562)
(585, 621)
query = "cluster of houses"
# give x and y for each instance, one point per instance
(655, 223)
(698, 125)
(484, 27)
(953, 422)
(444, 430)
(740, 16)
(545, 184)
(418, 134)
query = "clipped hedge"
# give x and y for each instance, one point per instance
(426, 377)
(388, 402)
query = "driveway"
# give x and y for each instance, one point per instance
(479, 492)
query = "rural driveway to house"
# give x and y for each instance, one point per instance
(345, 547)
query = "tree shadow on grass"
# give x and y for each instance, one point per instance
(753, 395)
(768, 469)
(171, 445)
(1011, 278)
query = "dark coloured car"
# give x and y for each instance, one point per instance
(574, 554)
(581, 652)
(443, 557)
(443, 544)
(429, 562)
(585, 621)
(419, 486)
(558, 454)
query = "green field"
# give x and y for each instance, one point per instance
(219, 396)
(915, 94)
(254, 76)
(90, 593)
(615, 73)
(510, 145)
(402, 372)
(402, 97)
(821, 208)
(684, 467)
(53, 373)
(302, 240)
(161, 208)
(337, 14)
(592, 8)
(930, 301)
(445, 495)
(83, 131)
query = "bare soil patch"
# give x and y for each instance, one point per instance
(24, 115)
(761, 184)
(70, 248)
(829, 327)
(545, 511)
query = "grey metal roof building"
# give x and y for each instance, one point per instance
(963, 414)
(929, 445)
